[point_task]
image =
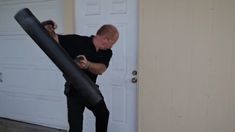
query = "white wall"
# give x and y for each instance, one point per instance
(187, 66)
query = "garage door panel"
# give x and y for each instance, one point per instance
(31, 86)
(43, 9)
(28, 107)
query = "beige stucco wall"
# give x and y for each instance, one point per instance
(69, 17)
(187, 66)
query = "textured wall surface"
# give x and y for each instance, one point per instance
(187, 66)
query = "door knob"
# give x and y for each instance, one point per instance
(134, 72)
(134, 80)
(1, 78)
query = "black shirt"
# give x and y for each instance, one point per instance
(82, 45)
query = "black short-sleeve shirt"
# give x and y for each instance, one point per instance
(83, 45)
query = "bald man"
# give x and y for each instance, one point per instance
(92, 54)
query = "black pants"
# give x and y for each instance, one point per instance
(76, 106)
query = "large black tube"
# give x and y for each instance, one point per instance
(81, 82)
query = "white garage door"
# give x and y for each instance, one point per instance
(31, 87)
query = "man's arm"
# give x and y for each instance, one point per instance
(95, 68)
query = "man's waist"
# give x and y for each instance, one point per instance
(69, 84)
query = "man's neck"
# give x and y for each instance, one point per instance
(96, 42)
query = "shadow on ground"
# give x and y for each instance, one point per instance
(7, 125)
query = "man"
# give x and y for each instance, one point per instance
(92, 55)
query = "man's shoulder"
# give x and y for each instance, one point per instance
(69, 35)
(74, 36)
(107, 53)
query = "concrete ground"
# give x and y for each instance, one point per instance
(7, 125)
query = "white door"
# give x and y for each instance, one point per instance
(31, 87)
(116, 83)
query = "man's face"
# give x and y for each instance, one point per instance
(108, 42)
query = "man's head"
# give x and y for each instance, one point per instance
(108, 36)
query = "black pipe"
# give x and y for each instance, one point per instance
(81, 82)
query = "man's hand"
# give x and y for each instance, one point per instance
(50, 26)
(82, 62)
